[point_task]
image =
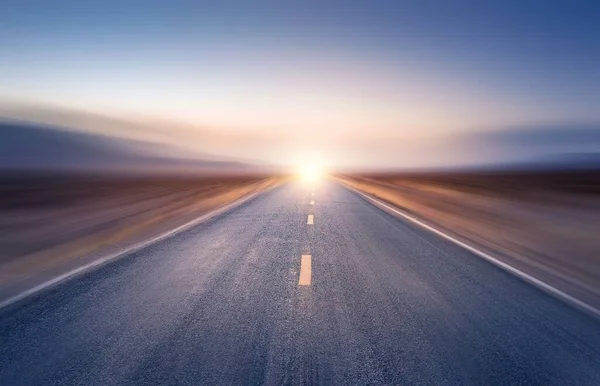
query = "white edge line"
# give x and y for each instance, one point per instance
(530, 279)
(131, 249)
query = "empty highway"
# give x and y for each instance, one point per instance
(298, 288)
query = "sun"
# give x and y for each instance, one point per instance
(311, 172)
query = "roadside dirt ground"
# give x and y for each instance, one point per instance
(49, 222)
(547, 226)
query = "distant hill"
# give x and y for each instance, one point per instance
(552, 146)
(559, 163)
(34, 147)
(572, 161)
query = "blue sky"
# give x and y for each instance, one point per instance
(365, 83)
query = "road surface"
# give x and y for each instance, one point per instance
(265, 294)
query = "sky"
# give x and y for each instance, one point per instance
(349, 83)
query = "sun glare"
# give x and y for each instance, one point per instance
(311, 172)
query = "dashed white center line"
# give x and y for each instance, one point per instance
(305, 270)
(311, 219)
(312, 202)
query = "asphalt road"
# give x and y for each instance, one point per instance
(385, 303)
